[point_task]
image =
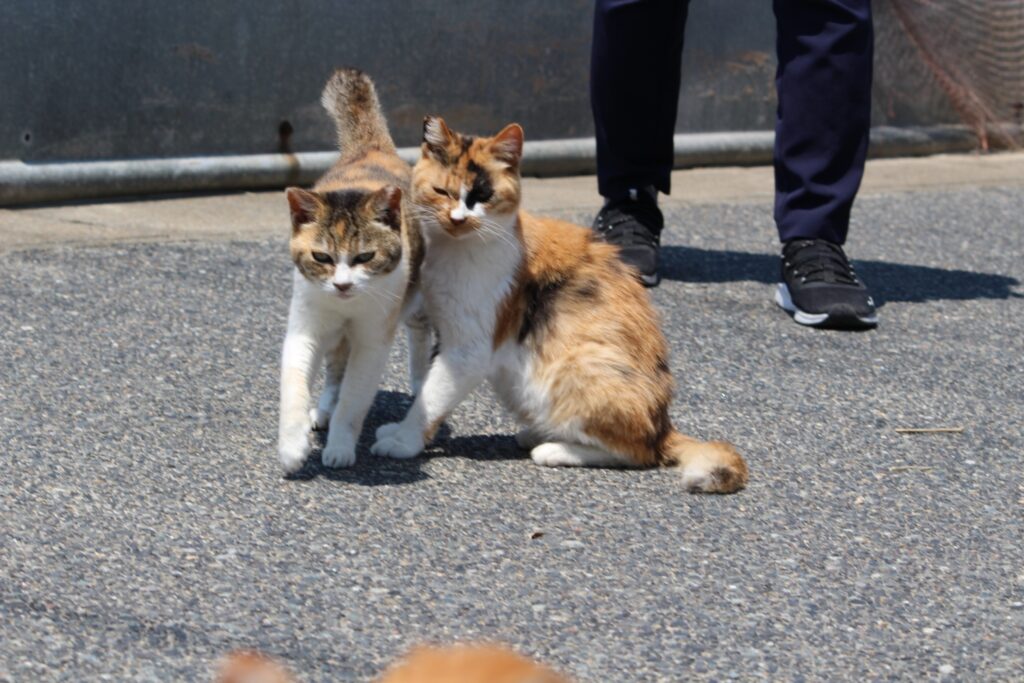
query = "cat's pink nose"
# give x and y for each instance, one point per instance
(458, 221)
(343, 287)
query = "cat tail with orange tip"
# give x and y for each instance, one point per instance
(707, 466)
(247, 666)
(351, 100)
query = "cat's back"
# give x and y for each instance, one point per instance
(560, 250)
(572, 289)
(367, 171)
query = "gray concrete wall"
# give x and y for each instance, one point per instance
(86, 79)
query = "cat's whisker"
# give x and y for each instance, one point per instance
(378, 301)
(496, 230)
(500, 234)
(384, 292)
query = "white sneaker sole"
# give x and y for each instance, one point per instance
(785, 301)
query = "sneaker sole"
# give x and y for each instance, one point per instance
(843, 320)
(651, 280)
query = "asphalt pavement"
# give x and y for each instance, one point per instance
(146, 528)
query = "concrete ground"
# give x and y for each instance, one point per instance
(146, 528)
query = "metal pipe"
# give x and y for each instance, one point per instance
(28, 183)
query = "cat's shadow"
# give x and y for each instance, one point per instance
(371, 470)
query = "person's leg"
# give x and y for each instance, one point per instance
(824, 113)
(634, 91)
(825, 52)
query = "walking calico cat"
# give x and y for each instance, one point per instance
(356, 260)
(561, 328)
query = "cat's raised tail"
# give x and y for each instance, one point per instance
(708, 466)
(351, 100)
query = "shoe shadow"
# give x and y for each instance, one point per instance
(887, 281)
(370, 470)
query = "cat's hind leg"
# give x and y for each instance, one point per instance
(420, 351)
(320, 416)
(366, 363)
(563, 454)
(528, 439)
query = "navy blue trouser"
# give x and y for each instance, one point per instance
(824, 88)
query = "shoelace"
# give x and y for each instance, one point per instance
(614, 224)
(819, 261)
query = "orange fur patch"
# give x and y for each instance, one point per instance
(252, 667)
(469, 664)
(454, 664)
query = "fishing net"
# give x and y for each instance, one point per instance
(970, 52)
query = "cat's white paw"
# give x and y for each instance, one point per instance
(319, 419)
(548, 455)
(293, 448)
(398, 443)
(339, 452)
(389, 429)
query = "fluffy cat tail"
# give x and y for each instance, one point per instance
(708, 466)
(351, 100)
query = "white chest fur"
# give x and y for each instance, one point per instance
(464, 283)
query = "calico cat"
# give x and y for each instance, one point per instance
(356, 262)
(561, 328)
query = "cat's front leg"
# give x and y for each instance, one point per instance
(366, 363)
(299, 360)
(452, 375)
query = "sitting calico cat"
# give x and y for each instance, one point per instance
(563, 330)
(356, 260)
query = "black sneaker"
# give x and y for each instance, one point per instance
(820, 288)
(634, 224)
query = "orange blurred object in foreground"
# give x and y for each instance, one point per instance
(455, 664)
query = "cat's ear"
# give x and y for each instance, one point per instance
(436, 136)
(507, 145)
(387, 205)
(304, 205)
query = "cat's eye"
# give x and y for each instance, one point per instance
(442, 191)
(364, 257)
(321, 257)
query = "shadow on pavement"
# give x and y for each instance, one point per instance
(370, 470)
(887, 281)
(488, 447)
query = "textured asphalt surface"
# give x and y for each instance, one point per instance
(146, 528)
